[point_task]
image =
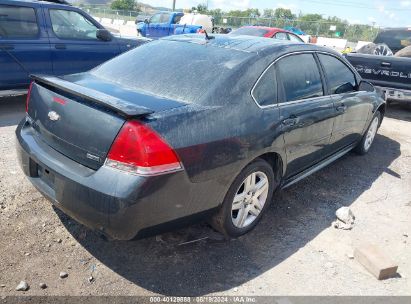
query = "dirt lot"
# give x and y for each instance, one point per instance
(293, 251)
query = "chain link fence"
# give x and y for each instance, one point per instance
(329, 29)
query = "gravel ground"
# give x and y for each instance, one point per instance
(293, 251)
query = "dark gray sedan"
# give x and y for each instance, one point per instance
(192, 127)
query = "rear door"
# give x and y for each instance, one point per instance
(307, 114)
(75, 47)
(351, 107)
(24, 45)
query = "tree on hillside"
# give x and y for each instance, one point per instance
(128, 5)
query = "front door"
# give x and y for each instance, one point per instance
(153, 26)
(75, 47)
(351, 107)
(307, 114)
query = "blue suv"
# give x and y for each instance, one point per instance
(45, 37)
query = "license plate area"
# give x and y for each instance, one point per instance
(46, 176)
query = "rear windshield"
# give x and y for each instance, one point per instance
(250, 31)
(395, 39)
(175, 70)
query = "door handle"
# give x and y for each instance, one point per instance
(6, 46)
(385, 64)
(341, 108)
(291, 121)
(60, 46)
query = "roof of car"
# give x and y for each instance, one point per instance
(265, 28)
(53, 2)
(269, 29)
(249, 44)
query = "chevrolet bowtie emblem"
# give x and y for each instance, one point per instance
(53, 116)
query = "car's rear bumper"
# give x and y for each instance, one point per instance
(118, 204)
(396, 94)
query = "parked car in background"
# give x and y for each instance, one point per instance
(268, 32)
(391, 74)
(173, 23)
(51, 38)
(295, 30)
(306, 38)
(129, 155)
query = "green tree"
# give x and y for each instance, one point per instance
(200, 8)
(250, 12)
(128, 5)
(268, 13)
(284, 13)
(311, 23)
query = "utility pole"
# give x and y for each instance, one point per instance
(174, 5)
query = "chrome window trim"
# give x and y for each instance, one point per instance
(291, 54)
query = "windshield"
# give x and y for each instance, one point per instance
(395, 39)
(250, 31)
(185, 72)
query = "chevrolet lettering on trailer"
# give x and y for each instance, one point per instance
(391, 74)
(366, 70)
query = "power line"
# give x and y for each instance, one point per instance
(356, 5)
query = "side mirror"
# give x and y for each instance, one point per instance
(103, 35)
(345, 88)
(146, 21)
(366, 86)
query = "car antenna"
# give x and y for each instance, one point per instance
(208, 37)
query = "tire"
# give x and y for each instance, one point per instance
(233, 222)
(368, 138)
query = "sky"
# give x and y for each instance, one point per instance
(386, 13)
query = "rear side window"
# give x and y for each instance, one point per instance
(294, 38)
(18, 22)
(300, 77)
(265, 91)
(339, 77)
(72, 25)
(176, 19)
(281, 36)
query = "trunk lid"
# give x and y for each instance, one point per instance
(82, 117)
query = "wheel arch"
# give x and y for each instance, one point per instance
(276, 162)
(381, 108)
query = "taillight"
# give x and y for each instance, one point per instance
(140, 150)
(200, 31)
(28, 96)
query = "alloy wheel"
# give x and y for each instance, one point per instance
(250, 199)
(372, 131)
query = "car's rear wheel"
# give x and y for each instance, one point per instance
(246, 200)
(369, 136)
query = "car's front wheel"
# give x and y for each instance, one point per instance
(369, 136)
(246, 200)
